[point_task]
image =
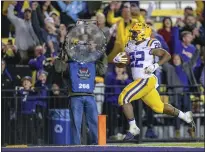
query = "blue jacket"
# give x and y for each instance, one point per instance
(37, 64)
(29, 99)
(27, 103)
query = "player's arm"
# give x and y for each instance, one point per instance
(156, 50)
(163, 54)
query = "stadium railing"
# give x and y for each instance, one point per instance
(42, 128)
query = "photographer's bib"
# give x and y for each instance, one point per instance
(82, 77)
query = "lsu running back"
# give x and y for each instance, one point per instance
(141, 50)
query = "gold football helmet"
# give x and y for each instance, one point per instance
(140, 32)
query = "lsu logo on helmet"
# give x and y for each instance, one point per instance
(140, 31)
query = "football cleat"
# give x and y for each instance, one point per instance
(190, 120)
(131, 134)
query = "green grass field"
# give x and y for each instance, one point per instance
(179, 144)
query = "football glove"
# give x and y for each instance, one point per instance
(121, 58)
(150, 69)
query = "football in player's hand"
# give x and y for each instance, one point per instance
(121, 65)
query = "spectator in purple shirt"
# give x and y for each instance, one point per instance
(183, 47)
(37, 62)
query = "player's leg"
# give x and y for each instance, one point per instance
(133, 91)
(153, 100)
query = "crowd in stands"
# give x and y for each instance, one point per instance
(36, 32)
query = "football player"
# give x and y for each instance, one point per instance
(140, 52)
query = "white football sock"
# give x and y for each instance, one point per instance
(132, 123)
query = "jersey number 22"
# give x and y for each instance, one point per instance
(135, 58)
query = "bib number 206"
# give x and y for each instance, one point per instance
(84, 86)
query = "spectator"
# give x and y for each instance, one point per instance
(185, 76)
(165, 31)
(26, 38)
(188, 11)
(56, 18)
(100, 17)
(191, 25)
(42, 105)
(46, 8)
(38, 23)
(10, 53)
(49, 34)
(143, 12)
(135, 12)
(26, 117)
(62, 33)
(183, 48)
(181, 73)
(72, 9)
(58, 100)
(42, 86)
(117, 10)
(116, 81)
(42, 78)
(124, 24)
(52, 37)
(36, 64)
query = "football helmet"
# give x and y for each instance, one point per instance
(140, 32)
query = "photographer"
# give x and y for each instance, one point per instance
(80, 76)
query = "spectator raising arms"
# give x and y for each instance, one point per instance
(26, 38)
(125, 22)
(36, 64)
(183, 48)
(47, 33)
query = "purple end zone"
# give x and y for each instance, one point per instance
(103, 149)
